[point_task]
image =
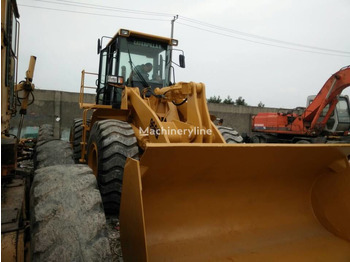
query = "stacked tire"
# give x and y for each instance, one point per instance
(230, 135)
(67, 218)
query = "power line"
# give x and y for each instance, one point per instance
(190, 20)
(102, 7)
(96, 14)
(262, 43)
(260, 37)
(84, 5)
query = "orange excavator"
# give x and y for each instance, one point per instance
(310, 125)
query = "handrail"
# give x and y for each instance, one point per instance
(82, 104)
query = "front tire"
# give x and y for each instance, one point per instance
(111, 142)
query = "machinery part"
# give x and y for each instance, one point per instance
(8, 155)
(230, 135)
(76, 135)
(67, 219)
(257, 139)
(27, 87)
(53, 152)
(111, 142)
(314, 120)
(269, 211)
(45, 133)
(9, 61)
(13, 194)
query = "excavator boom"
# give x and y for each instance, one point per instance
(327, 96)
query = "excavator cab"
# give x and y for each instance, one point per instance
(339, 120)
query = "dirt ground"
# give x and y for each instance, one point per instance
(114, 238)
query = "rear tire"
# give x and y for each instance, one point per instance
(67, 218)
(111, 142)
(76, 136)
(230, 135)
(256, 139)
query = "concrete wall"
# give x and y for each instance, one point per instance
(53, 107)
(49, 106)
(239, 117)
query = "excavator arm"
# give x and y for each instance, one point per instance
(328, 95)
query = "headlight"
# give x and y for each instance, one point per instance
(119, 80)
(124, 32)
(174, 42)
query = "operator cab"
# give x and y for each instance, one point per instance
(135, 60)
(340, 118)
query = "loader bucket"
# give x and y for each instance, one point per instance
(220, 202)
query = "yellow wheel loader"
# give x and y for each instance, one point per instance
(182, 193)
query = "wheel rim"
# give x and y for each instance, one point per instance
(93, 158)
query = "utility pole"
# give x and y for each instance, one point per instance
(171, 36)
(172, 25)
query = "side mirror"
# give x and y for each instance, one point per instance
(182, 61)
(98, 46)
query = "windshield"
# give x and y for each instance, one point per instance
(343, 111)
(143, 62)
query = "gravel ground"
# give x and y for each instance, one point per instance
(114, 238)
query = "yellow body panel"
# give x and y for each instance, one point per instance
(220, 202)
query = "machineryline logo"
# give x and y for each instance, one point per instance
(156, 131)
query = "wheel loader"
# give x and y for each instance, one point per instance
(181, 192)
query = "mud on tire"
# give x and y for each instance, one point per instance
(53, 152)
(114, 142)
(67, 218)
(45, 133)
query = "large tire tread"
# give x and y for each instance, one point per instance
(116, 142)
(76, 137)
(45, 133)
(53, 152)
(230, 135)
(67, 218)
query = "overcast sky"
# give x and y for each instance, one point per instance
(253, 48)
